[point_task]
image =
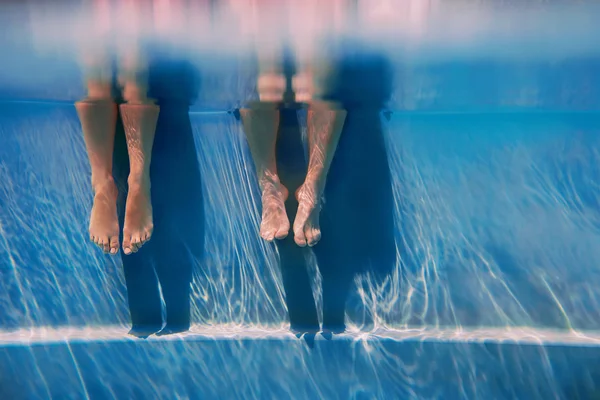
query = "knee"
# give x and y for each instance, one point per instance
(98, 89)
(133, 80)
(309, 89)
(304, 87)
(271, 87)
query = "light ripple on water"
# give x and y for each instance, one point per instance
(497, 228)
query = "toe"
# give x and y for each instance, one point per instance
(136, 241)
(114, 245)
(135, 246)
(103, 243)
(282, 233)
(313, 236)
(300, 238)
(98, 242)
(146, 236)
(127, 244)
(283, 230)
(268, 235)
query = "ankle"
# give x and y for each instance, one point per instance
(269, 180)
(313, 185)
(98, 91)
(103, 185)
(310, 192)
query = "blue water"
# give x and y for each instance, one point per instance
(460, 235)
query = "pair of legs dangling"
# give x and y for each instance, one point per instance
(325, 121)
(98, 114)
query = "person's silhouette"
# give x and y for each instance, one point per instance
(164, 264)
(292, 166)
(357, 220)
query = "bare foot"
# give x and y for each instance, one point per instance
(138, 218)
(275, 223)
(306, 225)
(104, 223)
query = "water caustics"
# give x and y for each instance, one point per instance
(503, 212)
(492, 136)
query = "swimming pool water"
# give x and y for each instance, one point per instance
(492, 287)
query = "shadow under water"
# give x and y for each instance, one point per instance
(162, 269)
(357, 220)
